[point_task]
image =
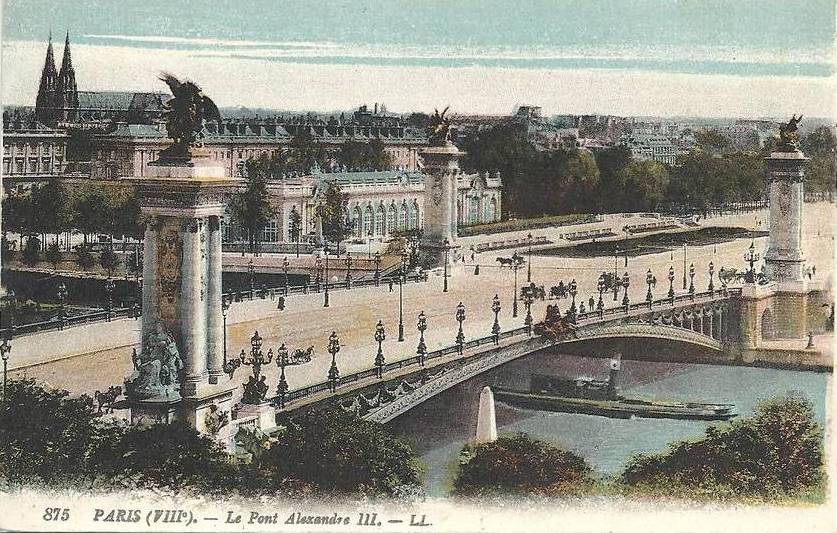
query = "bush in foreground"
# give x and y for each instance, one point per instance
(777, 451)
(520, 465)
(339, 452)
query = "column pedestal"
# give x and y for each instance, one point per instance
(441, 167)
(178, 367)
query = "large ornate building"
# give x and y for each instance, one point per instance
(128, 133)
(380, 203)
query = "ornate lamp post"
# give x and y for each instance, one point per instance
(229, 365)
(282, 362)
(377, 269)
(722, 278)
(318, 269)
(380, 336)
(671, 283)
(649, 279)
(601, 286)
(402, 274)
(61, 294)
(110, 285)
(529, 266)
(349, 270)
(684, 266)
(573, 290)
(495, 329)
(251, 270)
(333, 372)
(421, 349)
(285, 265)
(528, 297)
(751, 257)
(460, 336)
(711, 277)
(254, 393)
(626, 282)
(327, 281)
(445, 274)
(5, 350)
(515, 266)
(692, 279)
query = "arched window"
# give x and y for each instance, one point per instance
(367, 221)
(402, 217)
(473, 210)
(379, 220)
(413, 222)
(492, 210)
(390, 219)
(358, 223)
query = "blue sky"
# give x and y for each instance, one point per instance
(659, 57)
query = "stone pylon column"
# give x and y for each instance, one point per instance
(214, 318)
(441, 168)
(177, 370)
(784, 258)
(193, 313)
(150, 306)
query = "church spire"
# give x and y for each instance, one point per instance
(67, 90)
(45, 102)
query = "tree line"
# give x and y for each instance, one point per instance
(85, 207)
(537, 183)
(48, 438)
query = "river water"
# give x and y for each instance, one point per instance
(440, 427)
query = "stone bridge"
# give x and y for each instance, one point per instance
(701, 320)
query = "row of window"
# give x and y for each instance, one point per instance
(384, 220)
(32, 166)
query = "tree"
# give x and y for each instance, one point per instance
(646, 183)
(304, 152)
(173, 456)
(333, 214)
(295, 227)
(84, 257)
(54, 205)
(339, 452)
(32, 251)
(109, 260)
(44, 434)
(520, 465)
(53, 255)
(80, 145)
(821, 147)
(371, 155)
(777, 450)
(250, 207)
(611, 196)
(712, 140)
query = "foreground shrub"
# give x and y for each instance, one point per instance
(520, 465)
(339, 452)
(44, 434)
(777, 451)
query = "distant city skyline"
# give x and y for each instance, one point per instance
(646, 57)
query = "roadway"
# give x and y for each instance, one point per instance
(353, 314)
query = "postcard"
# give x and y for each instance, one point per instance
(464, 266)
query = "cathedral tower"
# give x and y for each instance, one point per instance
(67, 94)
(45, 103)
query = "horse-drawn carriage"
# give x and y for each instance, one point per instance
(554, 325)
(515, 261)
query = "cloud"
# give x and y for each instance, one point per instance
(256, 82)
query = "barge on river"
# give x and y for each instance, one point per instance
(599, 397)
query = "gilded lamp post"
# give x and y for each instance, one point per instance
(380, 336)
(495, 329)
(333, 372)
(421, 326)
(460, 335)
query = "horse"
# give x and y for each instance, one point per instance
(303, 356)
(108, 398)
(505, 261)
